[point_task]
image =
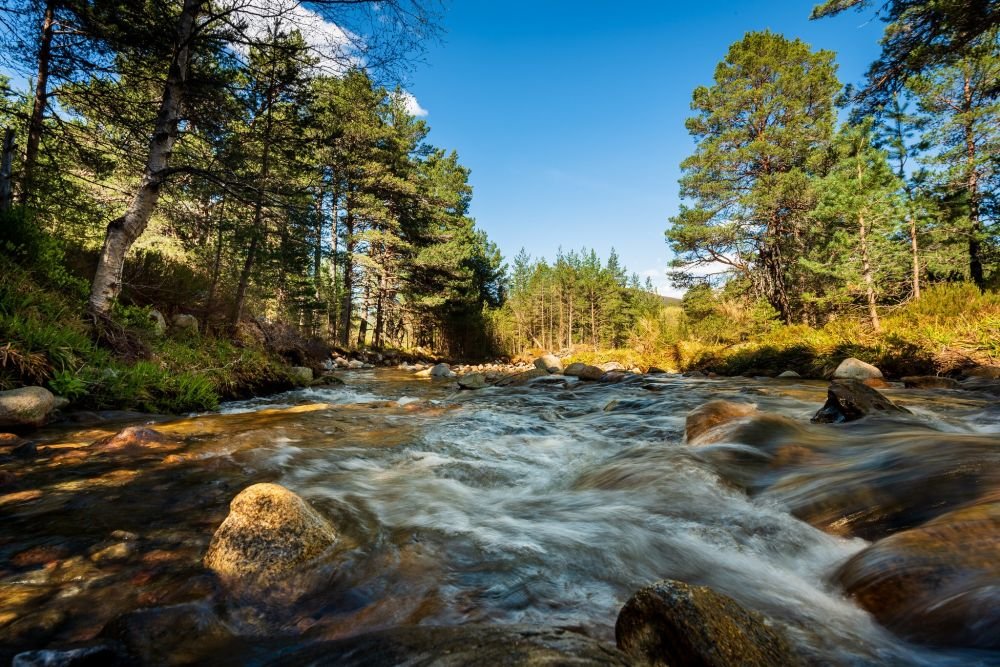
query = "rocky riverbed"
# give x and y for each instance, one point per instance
(621, 519)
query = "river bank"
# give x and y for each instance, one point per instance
(548, 504)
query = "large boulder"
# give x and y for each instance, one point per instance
(521, 379)
(936, 583)
(850, 400)
(301, 375)
(472, 381)
(185, 324)
(269, 532)
(670, 623)
(26, 407)
(611, 366)
(442, 371)
(855, 369)
(550, 363)
(588, 372)
(706, 417)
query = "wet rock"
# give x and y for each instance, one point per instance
(930, 382)
(706, 417)
(472, 381)
(988, 372)
(849, 400)
(301, 375)
(611, 366)
(326, 380)
(441, 371)
(876, 383)
(670, 623)
(981, 384)
(159, 322)
(26, 407)
(113, 553)
(573, 370)
(550, 363)
(590, 373)
(936, 583)
(500, 646)
(521, 379)
(10, 440)
(26, 450)
(97, 655)
(269, 532)
(355, 364)
(185, 324)
(789, 375)
(175, 635)
(695, 374)
(855, 369)
(655, 370)
(134, 438)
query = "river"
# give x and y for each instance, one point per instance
(547, 505)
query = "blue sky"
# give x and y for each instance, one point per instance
(571, 114)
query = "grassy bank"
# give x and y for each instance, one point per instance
(952, 327)
(47, 340)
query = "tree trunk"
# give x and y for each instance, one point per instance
(348, 301)
(916, 255)
(363, 315)
(333, 316)
(972, 187)
(123, 232)
(867, 274)
(217, 263)
(244, 281)
(40, 100)
(6, 164)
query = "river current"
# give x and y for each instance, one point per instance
(547, 505)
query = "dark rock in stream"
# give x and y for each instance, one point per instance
(495, 646)
(175, 635)
(670, 623)
(269, 532)
(521, 379)
(850, 400)
(930, 382)
(706, 417)
(937, 583)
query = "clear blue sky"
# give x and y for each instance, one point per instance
(571, 114)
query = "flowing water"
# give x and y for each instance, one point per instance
(548, 504)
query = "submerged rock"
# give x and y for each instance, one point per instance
(472, 381)
(849, 400)
(269, 532)
(26, 407)
(175, 635)
(500, 646)
(706, 417)
(670, 623)
(550, 363)
(930, 382)
(855, 369)
(134, 438)
(937, 583)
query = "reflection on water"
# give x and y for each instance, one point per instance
(543, 505)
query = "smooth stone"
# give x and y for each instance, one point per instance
(520, 379)
(326, 381)
(269, 532)
(441, 371)
(930, 382)
(855, 369)
(355, 364)
(590, 373)
(706, 417)
(936, 583)
(26, 407)
(850, 400)
(472, 381)
(670, 623)
(185, 323)
(133, 438)
(789, 375)
(550, 363)
(611, 366)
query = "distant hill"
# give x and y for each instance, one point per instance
(670, 301)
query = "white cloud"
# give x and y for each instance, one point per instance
(412, 105)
